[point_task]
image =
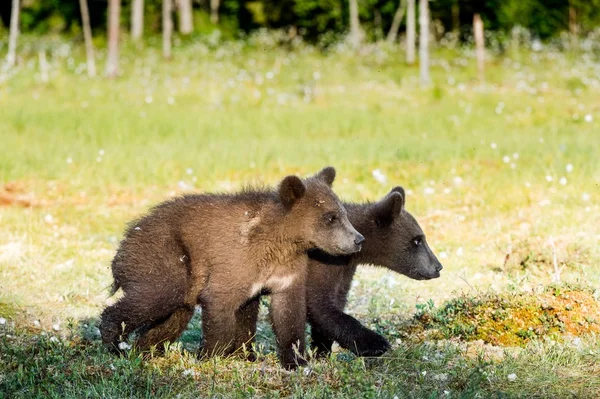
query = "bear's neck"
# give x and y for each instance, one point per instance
(358, 214)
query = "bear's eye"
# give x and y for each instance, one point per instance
(331, 218)
(417, 241)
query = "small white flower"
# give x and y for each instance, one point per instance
(429, 190)
(53, 339)
(588, 118)
(98, 159)
(424, 372)
(457, 180)
(2, 321)
(513, 165)
(585, 197)
(48, 218)
(56, 327)
(101, 152)
(516, 155)
(269, 75)
(494, 146)
(506, 159)
(512, 377)
(548, 178)
(379, 176)
(459, 251)
(124, 346)
(189, 171)
(563, 180)
(443, 255)
(69, 160)
(527, 184)
(36, 323)
(569, 168)
(149, 99)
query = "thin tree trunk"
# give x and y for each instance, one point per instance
(479, 44)
(11, 57)
(114, 15)
(455, 17)
(424, 42)
(186, 25)
(411, 32)
(573, 27)
(137, 19)
(87, 35)
(355, 34)
(167, 27)
(214, 11)
(393, 33)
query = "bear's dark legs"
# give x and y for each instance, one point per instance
(288, 315)
(167, 330)
(246, 319)
(320, 342)
(135, 309)
(219, 329)
(347, 331)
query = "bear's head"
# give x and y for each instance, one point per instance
(396, 240)
(316, 216)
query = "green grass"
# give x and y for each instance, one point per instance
(87, 155)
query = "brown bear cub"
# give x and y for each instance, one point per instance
(393, 239)
(223, 251)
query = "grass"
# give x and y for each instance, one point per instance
(482, 165)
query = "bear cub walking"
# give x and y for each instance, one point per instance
(223, 251)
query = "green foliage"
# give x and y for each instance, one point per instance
(315, 18)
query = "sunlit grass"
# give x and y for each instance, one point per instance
(492, 170)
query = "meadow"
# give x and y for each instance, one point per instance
(503, 177)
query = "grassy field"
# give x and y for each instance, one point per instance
(504, 178)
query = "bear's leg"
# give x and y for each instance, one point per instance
(329, 321)
(219, 328)
(167, 330)
(246, 318)
(288, 315)
(145, 304)
(320, 342)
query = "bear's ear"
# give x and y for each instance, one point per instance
(327, 174)
(291, 189)
(390, 207)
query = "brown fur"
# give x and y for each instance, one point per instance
(391, 235)
(222, 251)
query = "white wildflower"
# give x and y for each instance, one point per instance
(588, 118)
(379, 176)
(124, 346)
(2, 321)
(512, 377)
(563, 180)
(569, 168)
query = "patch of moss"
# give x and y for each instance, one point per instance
(513, 320)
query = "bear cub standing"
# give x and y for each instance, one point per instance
(223, 251)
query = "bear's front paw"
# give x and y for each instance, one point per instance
(370, 344)
(293, 362)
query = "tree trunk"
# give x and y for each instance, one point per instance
(87, 35)
(393, 33)
(137, 19)
(411, 32)
(424, 42)
(455, 18)
(167, 27)
(186, 25)
(479, 44)
(114, 16)
(11, 57)
(573, 27)
(214, 11)
(355, 34)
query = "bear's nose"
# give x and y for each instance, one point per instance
(439, 267)
(359, 239)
